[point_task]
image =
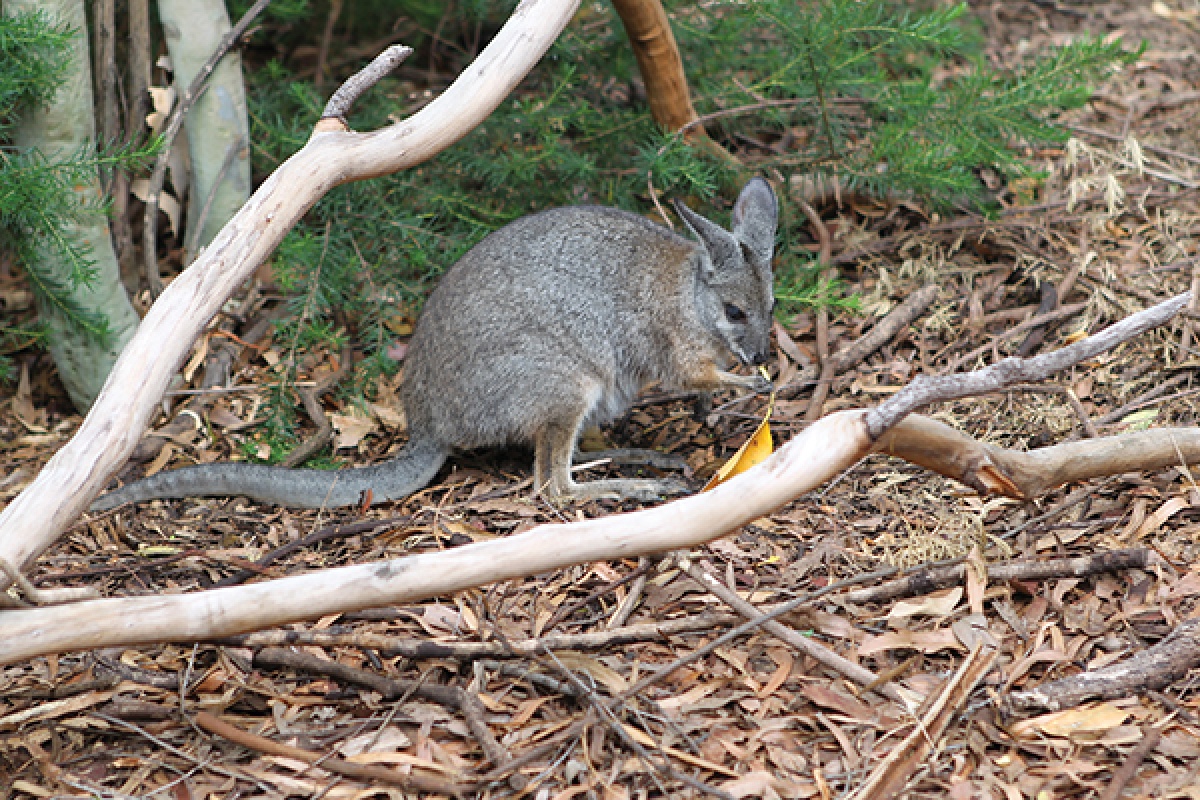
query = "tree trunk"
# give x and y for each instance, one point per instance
(59, 131)
(216, 123)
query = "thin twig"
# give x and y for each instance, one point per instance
(1132, 763)
(925, 389)
(823, 655)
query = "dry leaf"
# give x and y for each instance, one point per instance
(1086, 721)
(1164, 513)
(351, 428)
(22, 405)
(937, 604)
(602, 674)
(754, 451)
(390, 739)
(389, 416)
(930, 642)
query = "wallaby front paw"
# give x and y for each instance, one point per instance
(761, 384)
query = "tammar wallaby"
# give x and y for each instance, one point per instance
(550, 324)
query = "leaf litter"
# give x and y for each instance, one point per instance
(535, 687)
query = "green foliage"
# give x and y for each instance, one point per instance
(38, 201)
(885, 99)
(31, 63)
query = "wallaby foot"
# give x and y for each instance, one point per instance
(642, 491)
(755, 383)
(631, 457)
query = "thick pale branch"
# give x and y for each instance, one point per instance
(111, 430)
(817, 455)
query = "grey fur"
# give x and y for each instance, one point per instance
(550, 324)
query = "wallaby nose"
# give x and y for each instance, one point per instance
(759, 359)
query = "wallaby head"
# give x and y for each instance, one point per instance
(735, 294)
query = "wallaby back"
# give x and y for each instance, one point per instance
(551, 323)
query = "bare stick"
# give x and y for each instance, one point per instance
(368, 773)
(199, 84)
(1153, 668)
(820, 452)
(821, 654)
(451, 696)
(1132, 763)
(1034, 322)
(925, 389)
(886, 329)
(468, 651)
(1020, 474)
(926, 581)
(349, 92)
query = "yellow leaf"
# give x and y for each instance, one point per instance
(754, 451)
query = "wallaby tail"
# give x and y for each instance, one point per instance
(412, 469)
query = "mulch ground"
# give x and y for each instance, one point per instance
(542, 687)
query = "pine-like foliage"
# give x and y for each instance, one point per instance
(883, 98)
(37, 200)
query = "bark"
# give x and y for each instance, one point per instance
(121, 413)
(217, 122)
(658, 60)
(59, 131)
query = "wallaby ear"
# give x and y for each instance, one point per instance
(723, 249)
(755, 215)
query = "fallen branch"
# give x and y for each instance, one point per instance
(1019, 474)
(820, 452)
(1151, 669)
(815, 650)
(407, 647)
(368, 773)
(926, 389)
(931, 580)
(883, 332)
(332, 156)
(1130, 766)
(468, 704)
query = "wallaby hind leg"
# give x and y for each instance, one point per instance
(552, 470)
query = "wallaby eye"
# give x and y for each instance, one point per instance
(734, 313)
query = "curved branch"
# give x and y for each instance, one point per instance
(112, 429)
(814, 457)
